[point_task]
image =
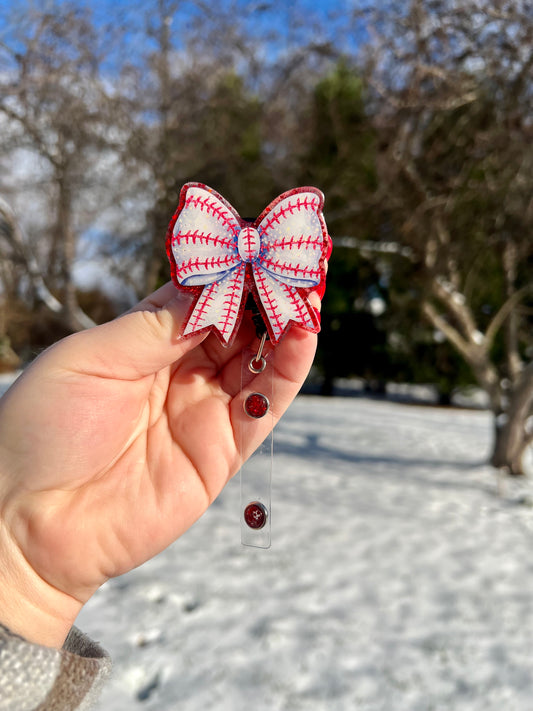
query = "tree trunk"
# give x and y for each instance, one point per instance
(73, 316)
(511, 436)
(13, 234)
(511, 409)
(9, 360)
(159, 216)
(510, 267)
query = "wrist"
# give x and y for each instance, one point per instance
(29, 606)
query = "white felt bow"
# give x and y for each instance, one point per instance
(283, 251)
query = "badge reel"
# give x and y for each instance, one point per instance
(267, 267)
(256, 472)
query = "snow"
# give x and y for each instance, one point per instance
(399, 579)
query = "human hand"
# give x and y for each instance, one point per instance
(112, 443)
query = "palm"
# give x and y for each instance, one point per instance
(119, 460)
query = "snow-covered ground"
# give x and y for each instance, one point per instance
(398, 579)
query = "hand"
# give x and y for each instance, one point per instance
(112, 443)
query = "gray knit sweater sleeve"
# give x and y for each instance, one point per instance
(35, 678)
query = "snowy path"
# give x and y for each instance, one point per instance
(397, 580)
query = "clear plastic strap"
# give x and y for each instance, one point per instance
(256, 472)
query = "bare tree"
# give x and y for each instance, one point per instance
(452, 86)
(56, 107)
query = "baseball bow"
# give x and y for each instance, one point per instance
(279, 258)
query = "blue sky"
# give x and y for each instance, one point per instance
(107, 9)
(292, 24)
(258, 14)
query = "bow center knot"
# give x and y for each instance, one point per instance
(249, 244)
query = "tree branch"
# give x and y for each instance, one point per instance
(12, 232)
(377, 247)
(475, 355)
(456, 304)
(503, 312)
(440, 323)
(31, 131)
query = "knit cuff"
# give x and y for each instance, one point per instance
(36, 678)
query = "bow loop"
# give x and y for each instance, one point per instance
(204, 239)
(292, 240)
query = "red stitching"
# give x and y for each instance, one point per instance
(202, 305)
(248, 242)
(203, 238)
(209, 264)
(271, 305)
(290, 242)
(232, 306)
(297, 302)
(300, 204)
(293, 269)
(211, 207)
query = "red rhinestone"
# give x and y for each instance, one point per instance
(256, 405)
(255, 515)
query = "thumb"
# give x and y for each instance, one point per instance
(138, 343)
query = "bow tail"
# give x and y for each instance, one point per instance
(282, 304)
(219, 306)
